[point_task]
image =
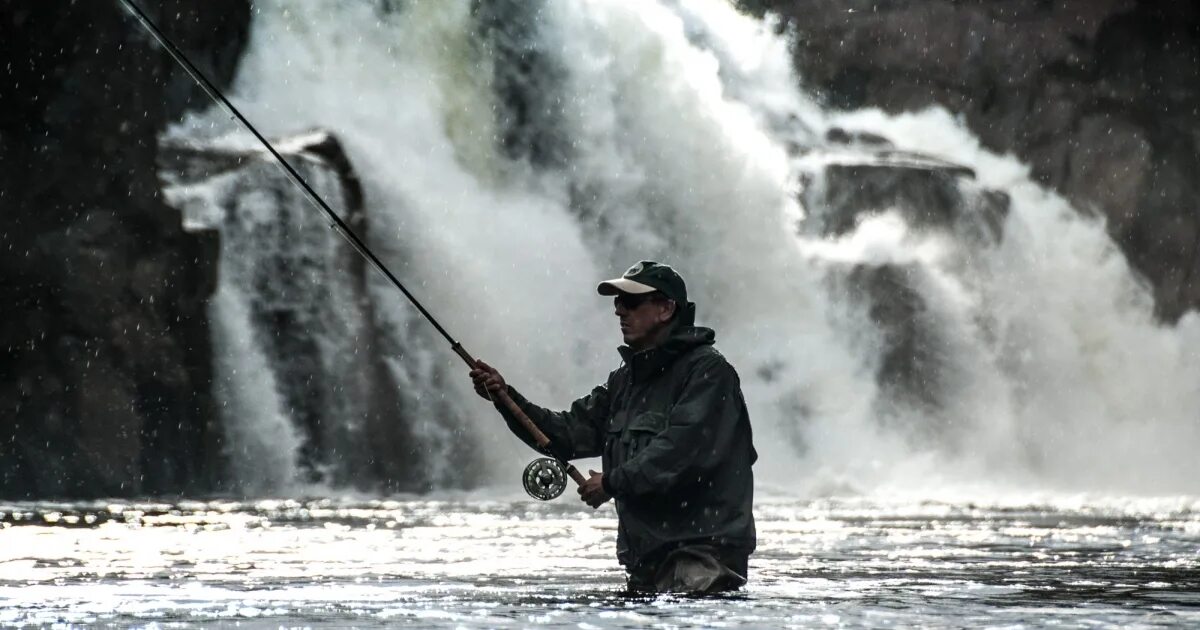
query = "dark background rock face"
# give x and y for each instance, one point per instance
(1100, 97)
(105, 367)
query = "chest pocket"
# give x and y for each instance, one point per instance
(639, 429)
(652, 422)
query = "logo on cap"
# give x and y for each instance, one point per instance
(635, 270)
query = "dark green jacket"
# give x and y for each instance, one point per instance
(672, 430)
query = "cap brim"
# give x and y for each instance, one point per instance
(623, 285)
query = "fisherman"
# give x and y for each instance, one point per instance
(671, 427)
(670, 424)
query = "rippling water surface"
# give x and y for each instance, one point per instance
(472, 562)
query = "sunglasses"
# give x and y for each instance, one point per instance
(631, 301)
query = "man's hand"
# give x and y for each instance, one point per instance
(592, 491)
(487, 380)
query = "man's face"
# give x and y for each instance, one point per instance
(642, 317)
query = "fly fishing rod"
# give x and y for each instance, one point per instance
(544, 478)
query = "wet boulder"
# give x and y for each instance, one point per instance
(1101, 98)
(929, 193)
(301, 359)
(919, 352)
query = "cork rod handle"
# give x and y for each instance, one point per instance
(523, 419)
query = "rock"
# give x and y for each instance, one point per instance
(837, 135)
(925, 197)
(307, 310)
(525, 79)
(1101, 98)
(910, 366)
(213, 34)
(104, 357)
(1109, 167)
(920, 367)
(926, 191)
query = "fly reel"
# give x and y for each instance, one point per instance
(544, 479)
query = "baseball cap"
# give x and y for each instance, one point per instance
(647, 276)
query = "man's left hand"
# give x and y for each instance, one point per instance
(592, 491)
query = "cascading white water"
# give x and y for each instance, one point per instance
(263, 455)
(1079, 385)
(685, 139)
(285, 316)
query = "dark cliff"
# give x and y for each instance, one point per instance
(1100, 97)
(105, 367)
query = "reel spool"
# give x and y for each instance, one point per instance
(544, 479)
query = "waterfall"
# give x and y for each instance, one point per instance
(286, 315)
(977, 333)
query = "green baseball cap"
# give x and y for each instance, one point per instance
(647, 276)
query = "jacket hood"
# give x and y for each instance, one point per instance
(687, 316)
(684, 338)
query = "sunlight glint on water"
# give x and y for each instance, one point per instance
(478, 562)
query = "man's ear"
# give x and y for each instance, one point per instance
(669, 312)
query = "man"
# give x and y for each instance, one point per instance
(671, 427)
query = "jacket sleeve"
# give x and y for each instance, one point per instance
(574, 433)
(700, 427)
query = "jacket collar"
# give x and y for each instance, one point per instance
(649, 363)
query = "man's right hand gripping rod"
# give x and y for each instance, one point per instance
(539, 438)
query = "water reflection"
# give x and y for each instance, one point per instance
(477, 562)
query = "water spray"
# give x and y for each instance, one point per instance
(544, 478)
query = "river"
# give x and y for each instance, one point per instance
(899, 368)
(469, 561)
